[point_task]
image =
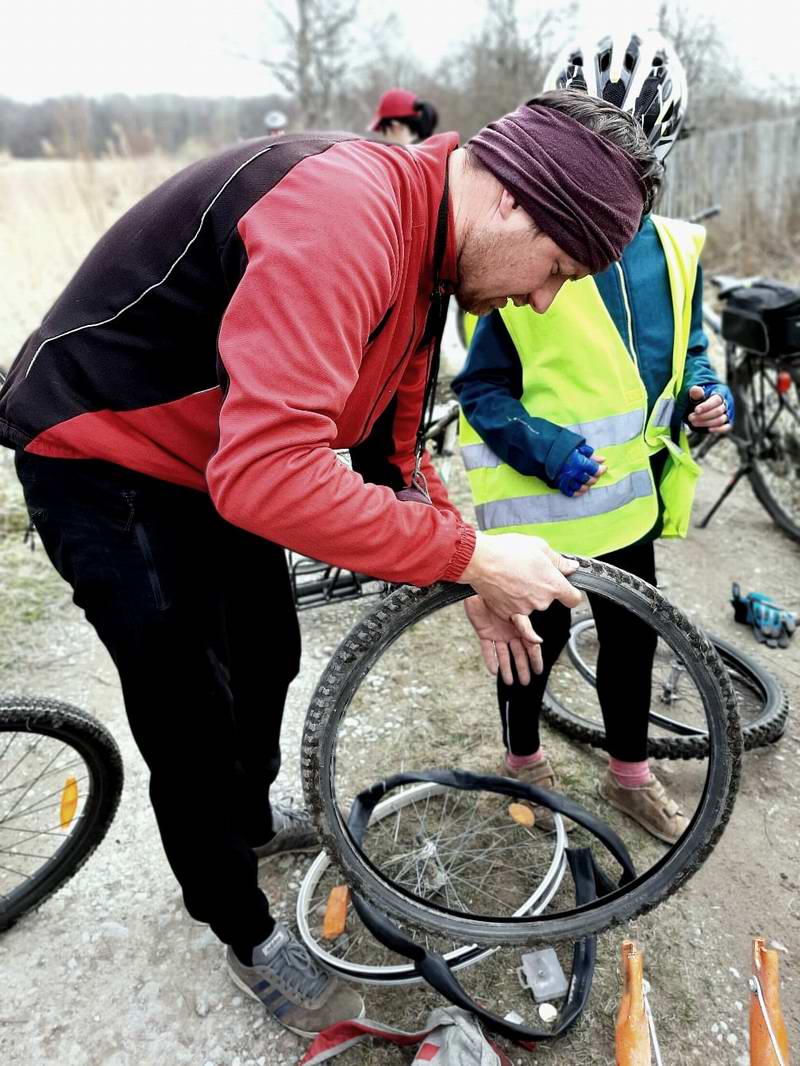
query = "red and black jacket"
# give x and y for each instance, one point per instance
(255, 312)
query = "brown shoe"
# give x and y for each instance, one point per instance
(649, 805)
(542, 775)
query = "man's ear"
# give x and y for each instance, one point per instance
(507, 205)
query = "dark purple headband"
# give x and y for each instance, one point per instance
(581, 190)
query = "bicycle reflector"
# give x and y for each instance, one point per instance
(784, 382)
(69, 802)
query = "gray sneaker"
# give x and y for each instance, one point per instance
(293, 832)
(293, 988)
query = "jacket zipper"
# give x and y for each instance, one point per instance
(628, 315)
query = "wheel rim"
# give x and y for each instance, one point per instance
(675, 709)
(46, 790)
(344, 957)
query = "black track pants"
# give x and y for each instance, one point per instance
(198, 618)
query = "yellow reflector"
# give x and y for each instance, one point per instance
(521, 814)
(69, 802)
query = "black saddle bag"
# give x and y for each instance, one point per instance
(763, 317)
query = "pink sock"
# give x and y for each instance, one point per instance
(630, 774)
(517, 762)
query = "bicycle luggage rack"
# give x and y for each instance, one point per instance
(315, 583)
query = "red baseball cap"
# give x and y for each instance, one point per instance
(396, 103)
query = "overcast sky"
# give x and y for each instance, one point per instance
(96, 47)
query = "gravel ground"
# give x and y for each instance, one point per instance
(111, 971)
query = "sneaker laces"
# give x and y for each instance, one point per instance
(298, 971)
(287, 815)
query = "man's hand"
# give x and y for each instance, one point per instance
(515, 574)
(500, 640)
(712, 410)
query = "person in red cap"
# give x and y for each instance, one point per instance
(176, 419)
(403, 119)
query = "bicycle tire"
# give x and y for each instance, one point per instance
(784, 519)
(362, 647)
(767, 728)
(97, 748)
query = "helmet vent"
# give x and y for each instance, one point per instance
(614, 92)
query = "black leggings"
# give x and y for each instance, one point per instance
(624, 668)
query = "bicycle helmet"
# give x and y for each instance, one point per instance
(640, 73)
(275, 121)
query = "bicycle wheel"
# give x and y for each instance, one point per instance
(60, 784)
(362, 649)
(408, 829)
(768, 399)
(677, 725)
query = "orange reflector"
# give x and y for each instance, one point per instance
(632, 1037)
(69, 802)
(784, 381)
(336, 912)
(521, 814)
(765, 1008)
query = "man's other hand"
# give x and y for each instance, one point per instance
(501, 641)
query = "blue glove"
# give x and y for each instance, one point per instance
(576, 470)
(772, 624)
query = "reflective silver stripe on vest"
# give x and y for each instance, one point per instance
(537, 510)
(599, 433)
(664, 412)
(617, 429)
(478, 456)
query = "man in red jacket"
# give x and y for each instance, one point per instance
(176, 418)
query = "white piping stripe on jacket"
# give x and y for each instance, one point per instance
(155, 285)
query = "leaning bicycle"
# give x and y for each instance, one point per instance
(760, 328)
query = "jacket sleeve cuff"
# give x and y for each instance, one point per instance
(462, 555)
(565, 443)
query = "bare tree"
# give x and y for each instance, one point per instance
(699, 44)
(314, 67)
(503, 65)
(389, 63)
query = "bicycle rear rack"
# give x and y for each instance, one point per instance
(315, 583)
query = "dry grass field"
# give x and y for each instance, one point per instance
(111, 972)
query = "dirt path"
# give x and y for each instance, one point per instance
(112, 972)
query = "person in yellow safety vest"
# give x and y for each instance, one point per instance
(571, 429)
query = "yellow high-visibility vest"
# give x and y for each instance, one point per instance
(578, 374)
